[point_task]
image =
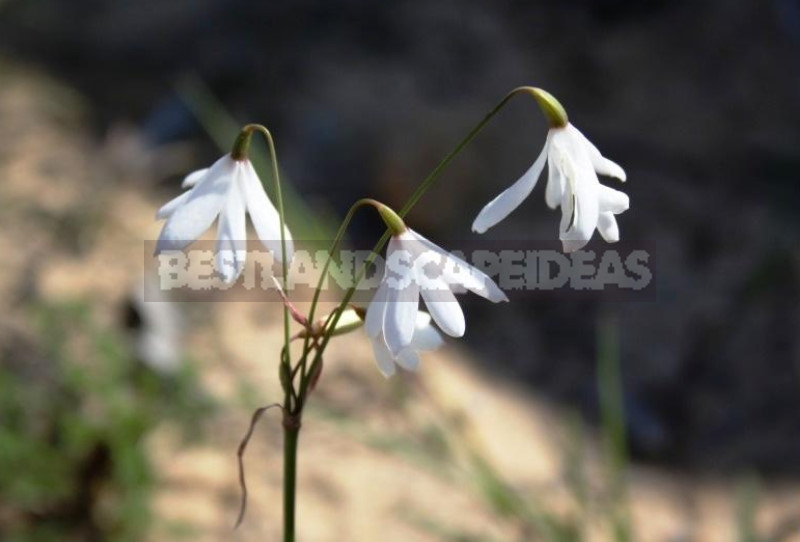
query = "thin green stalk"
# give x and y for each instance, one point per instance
(410, 203)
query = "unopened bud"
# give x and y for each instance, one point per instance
(350, 320)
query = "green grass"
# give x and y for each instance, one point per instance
(75, 408)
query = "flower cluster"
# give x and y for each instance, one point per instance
(415, 267)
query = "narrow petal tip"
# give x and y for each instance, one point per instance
(479, 227)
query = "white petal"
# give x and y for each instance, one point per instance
(426, 336)
(232, 235)
(168, 208)
(567, 212)
(604, 166)
(408, 360)
(445, 309)
(608, 228)
(457, 271)
(601, 164)
(191, 179)
(205, 201)
(473, 279)
(402, 302)
(373, 322)
(584, 223)
(586, 209)
(612, 200)
(264, 216)
(501, 206)
(555, 184)
(383, 357)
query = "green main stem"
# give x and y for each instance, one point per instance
(291, 435)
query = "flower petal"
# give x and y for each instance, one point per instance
(373, 322)
(457, 271)
(205, 200)
(608, 228)
(501, 206)
(192, 179)
(426, 336)
(601, 164)
(612, 201)
(402, 302)
(383, 357)
(444, 308)
(264, 216)
(232, 234)
(584, 222)
(585, 207)
(567, 212)
(554, 189)
(168, 208)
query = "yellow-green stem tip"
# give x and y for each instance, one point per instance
(551, 108)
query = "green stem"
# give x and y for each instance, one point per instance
(291, 434)
(432, 177)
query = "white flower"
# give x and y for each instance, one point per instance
(426, 337)
(573, 163)
(414, 267)
(229, 188)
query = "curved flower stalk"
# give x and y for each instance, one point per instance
(416, 267)
(425, 338)
(573, 164)
(228, 189)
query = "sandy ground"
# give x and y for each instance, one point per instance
(380, 460)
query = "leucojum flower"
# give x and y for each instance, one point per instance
(229, 189)
(573, 164)
(416, 267)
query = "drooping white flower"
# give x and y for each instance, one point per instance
(426, 337)
(228, 189)
(573, 163)
(416, 267)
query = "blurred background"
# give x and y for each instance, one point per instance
(667, 419)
